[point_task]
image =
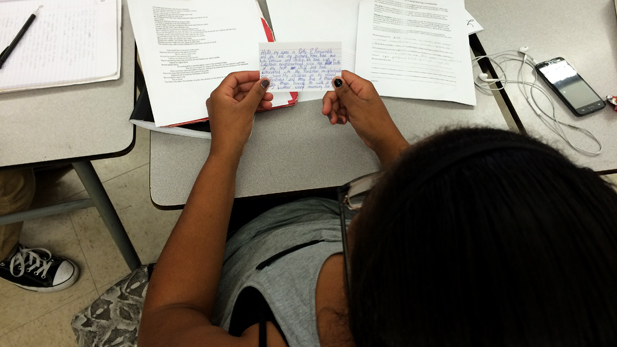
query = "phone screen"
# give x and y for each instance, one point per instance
(570, 84)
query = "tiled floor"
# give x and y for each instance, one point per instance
(31, 319)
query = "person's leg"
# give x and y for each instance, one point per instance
(34, 269)
(16, 192)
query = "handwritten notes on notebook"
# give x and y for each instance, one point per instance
(69, 42)
(300, 66)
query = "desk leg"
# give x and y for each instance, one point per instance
(97, 193)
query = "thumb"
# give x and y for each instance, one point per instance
(344, 92)
(257, 92)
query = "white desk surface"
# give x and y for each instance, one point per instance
(80, 121)
(296, 148)
(582, 32)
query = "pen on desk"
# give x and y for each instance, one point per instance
(7, 51)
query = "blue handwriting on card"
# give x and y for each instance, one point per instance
(309, 66)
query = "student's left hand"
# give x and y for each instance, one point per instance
(231, 107)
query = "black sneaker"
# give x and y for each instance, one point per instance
(37, 270)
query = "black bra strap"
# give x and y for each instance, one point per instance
(263, 334)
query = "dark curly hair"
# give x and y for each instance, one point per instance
(511, 247)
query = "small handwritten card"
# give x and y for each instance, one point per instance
(300, 66)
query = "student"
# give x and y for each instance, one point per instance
(471, 237)
(34, 269)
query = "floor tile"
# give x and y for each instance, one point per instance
(147, 227)
(19, 306)
(104, 259)
(51, 329)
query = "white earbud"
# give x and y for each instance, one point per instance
(484, 78)
(523, 50)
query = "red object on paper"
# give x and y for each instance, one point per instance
(267, 29)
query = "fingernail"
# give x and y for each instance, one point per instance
(338, 82)
(265, 84)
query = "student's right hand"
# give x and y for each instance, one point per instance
(231, 107)
(356, 101)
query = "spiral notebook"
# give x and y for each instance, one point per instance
(69, 42)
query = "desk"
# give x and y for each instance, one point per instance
(582, 32)
(297, 149)
(74, 124)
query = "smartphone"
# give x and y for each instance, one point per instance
(571, 88)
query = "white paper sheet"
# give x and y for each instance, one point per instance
(415, 50)
(306, 20)
(299, 66)
(69, 42)
(472, 24)
(188, 47)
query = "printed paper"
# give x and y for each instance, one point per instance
(416, 50)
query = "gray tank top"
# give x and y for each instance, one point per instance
(287, 282)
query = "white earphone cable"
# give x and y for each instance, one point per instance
(548, 118)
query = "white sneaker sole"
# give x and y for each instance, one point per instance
(59, 287)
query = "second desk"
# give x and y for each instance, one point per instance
(296, 148)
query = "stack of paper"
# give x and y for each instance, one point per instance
(188, 47)
(416, 50)
(69, 42)
(407, 49)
